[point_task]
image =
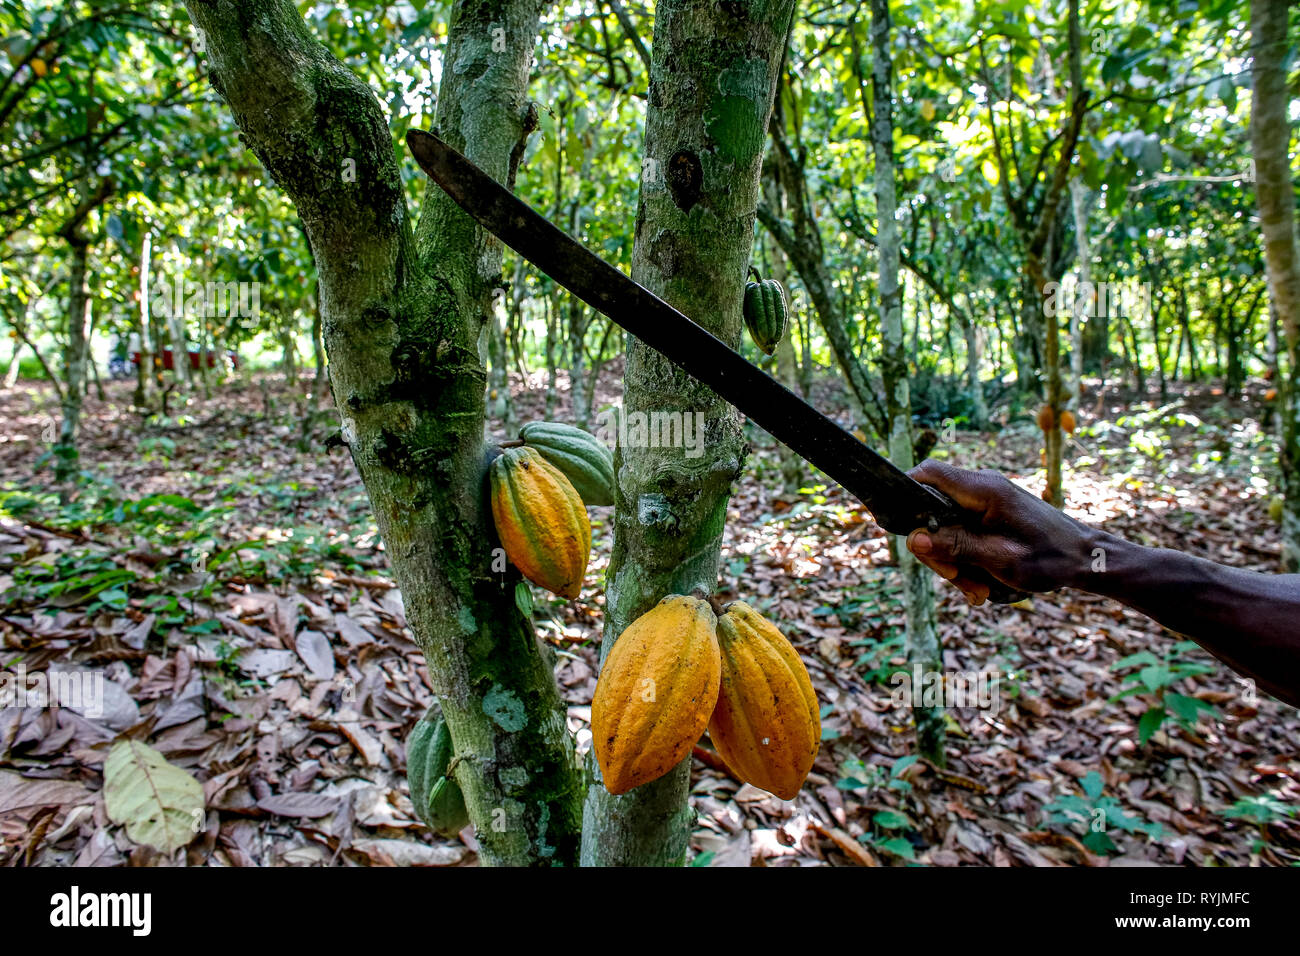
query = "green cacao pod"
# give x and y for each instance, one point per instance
(585, 460)
(437, 798)
(766, 313)
(540, 520)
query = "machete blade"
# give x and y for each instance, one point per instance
(899, 503)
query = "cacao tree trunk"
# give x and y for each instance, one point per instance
(923, 649)
(74, 359)
(979, 406)
(139, 396)
(552, 345)
(1079, 204)
(581, 398)
(1270, 133)
(401, 315)
(713, 73)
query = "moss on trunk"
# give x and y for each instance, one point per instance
(401, 315)
(713, 74)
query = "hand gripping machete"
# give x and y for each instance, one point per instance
(899, 503)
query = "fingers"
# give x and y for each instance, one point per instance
(954, 545)
(945, 550)
(921, 545)
(970, 489)
(976, 592)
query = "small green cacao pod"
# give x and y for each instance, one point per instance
(437, 798)
(766, 313)
(585, 460)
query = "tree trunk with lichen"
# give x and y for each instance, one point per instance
(1271, 144)
(401, 315)
(712, 78)
(66, 455)
(923, 649)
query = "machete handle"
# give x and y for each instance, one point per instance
(948, 512)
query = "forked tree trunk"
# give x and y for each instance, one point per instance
(401, 315)
(713, 73)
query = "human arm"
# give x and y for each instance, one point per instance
(1249, 620)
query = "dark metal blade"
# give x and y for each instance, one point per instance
(899, 503)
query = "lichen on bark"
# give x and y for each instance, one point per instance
(713, 74)
(401, 317)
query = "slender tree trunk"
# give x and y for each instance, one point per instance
(90, 361)
(1079, 204)
(74, 361)
(714, 70)
(1038, 269)
(923, 648)
(317, 347)
(139, 397)
(552, 346)
(1270, 133)
(979, 406)
(793, 469)
(1139, 373)
(1156, 311)
(577, 368)
(806, 367)
(11, 373)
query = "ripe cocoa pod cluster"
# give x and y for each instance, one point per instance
(540, 487)
(680, 668)
(1047, 419)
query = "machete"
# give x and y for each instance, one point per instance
(899, 503)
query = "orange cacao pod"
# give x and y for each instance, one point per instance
(1067, 422)
(1046, 419)
(766, 725)
(655, 693)
(541, 521)
(1270, 395)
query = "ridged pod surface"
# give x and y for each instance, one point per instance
(766, 725)
(438, 799)
(765, 312)
(585, 460)
(656, 691)
(541, 520)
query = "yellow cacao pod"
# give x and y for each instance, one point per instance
(766, 725)
(655, 693)
(540, 520)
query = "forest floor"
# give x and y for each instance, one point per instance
(221, 570)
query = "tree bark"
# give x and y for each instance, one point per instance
(1079, 205)
(401, 315)
(139, 396)
(714, 71)
(922, 642)
(74, 358)
(1270, 133)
